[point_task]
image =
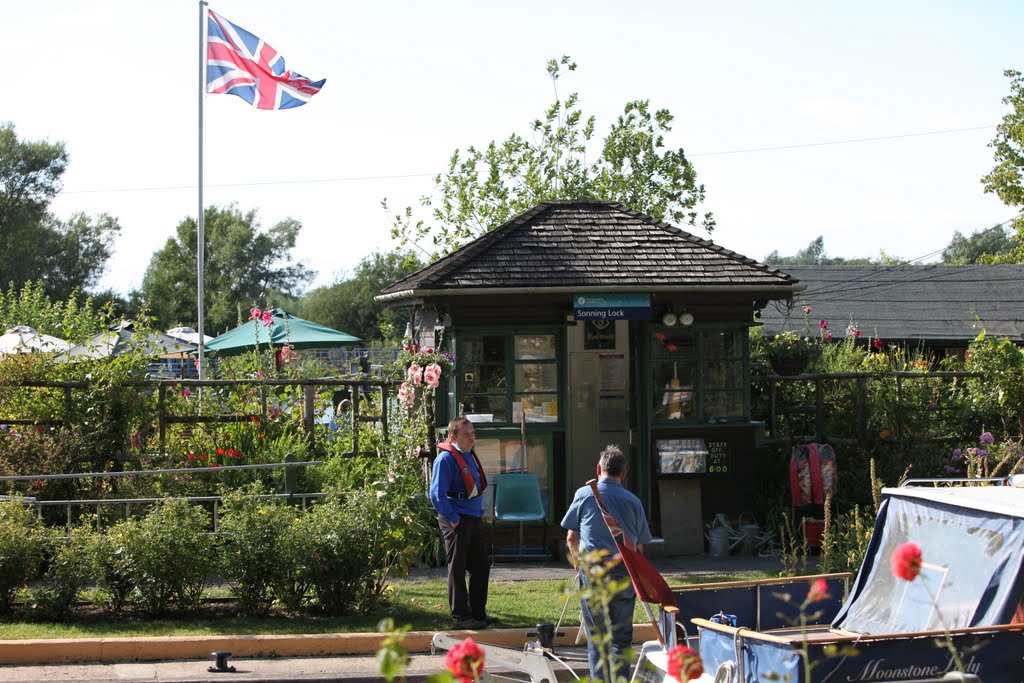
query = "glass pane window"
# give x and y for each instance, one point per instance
(674, 387)
(698, 374)
(535, 347)
(536, 377)
(509, 376)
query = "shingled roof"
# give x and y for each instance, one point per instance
(590, 246)
(940, 305)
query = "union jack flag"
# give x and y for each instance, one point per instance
(648, 583)
(239, 63)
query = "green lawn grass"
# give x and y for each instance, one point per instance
(422, 604)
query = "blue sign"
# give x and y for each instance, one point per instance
(611, 306)
(608, 300)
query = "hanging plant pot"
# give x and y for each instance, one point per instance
(789, 366)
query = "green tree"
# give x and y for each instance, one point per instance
(483, 188)
(243, 266)
(982, 244)
(814, 255)
(1006, 179)
(348, 304)
(64, 255)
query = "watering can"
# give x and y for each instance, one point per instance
(720, 537)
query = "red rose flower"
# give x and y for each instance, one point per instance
(684, 664)
(906, 561)
(465, 661)
(818, 591)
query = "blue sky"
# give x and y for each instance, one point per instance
(754, 86)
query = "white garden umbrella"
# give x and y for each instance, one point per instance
(24, 339)
(187, 334)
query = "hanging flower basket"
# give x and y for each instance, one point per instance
(789, 366)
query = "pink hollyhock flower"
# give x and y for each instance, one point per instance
(818, 591)
(684, 664)
(827, 336)
(807, 310)
(877, 343)
(823, 324)
(465, 661)
(268, 318)
(406, 394)
(906, 561)
(185, 393)
(432, 375)
(415, 374)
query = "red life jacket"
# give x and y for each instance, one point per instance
(467, 474)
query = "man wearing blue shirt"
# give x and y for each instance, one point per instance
(588, 532)
(456, 489)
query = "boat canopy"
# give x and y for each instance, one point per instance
(972, 545)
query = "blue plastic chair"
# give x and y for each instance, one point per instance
(517, 499)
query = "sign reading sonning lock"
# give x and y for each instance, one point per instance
(611, 306)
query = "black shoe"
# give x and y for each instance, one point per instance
(491, 621)
(469, 624)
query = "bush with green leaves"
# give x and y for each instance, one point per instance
(340, 548)
(169, 555)
(68, 569)
(23, 543)
(253, 532)
(110, 560)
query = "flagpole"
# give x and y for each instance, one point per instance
(201, 219)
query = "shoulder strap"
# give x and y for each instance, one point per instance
(467, 476)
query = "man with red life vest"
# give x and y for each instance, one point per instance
(456, 489)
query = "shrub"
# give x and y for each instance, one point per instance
(66, 574)
(22, 544)
(339, 554)
(169, 555)
(252, 534)
(109, 557)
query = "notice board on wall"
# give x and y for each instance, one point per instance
(718, 456)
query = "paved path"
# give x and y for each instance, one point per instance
(358, 668)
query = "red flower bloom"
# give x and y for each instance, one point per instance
(823, 324)
(216, 464)
(906, 561)
(255, 419)
(659, 336)
(262, 436)
(671, 347)
(465, 661)
(818, 591)
(884, 435)
(684, 664)
(202, 456)
(877, 343)
(220, 451)
(191, 456)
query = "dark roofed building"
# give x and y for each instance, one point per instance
(943, 307)
(579, 324)
(583, 245)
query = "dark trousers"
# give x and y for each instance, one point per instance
(466, 548)
(618, 619)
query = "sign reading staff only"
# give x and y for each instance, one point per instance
(611, 306)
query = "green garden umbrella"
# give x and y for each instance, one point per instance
(285, 329)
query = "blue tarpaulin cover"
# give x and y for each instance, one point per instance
(972, 544)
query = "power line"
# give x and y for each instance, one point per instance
(404, 176)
